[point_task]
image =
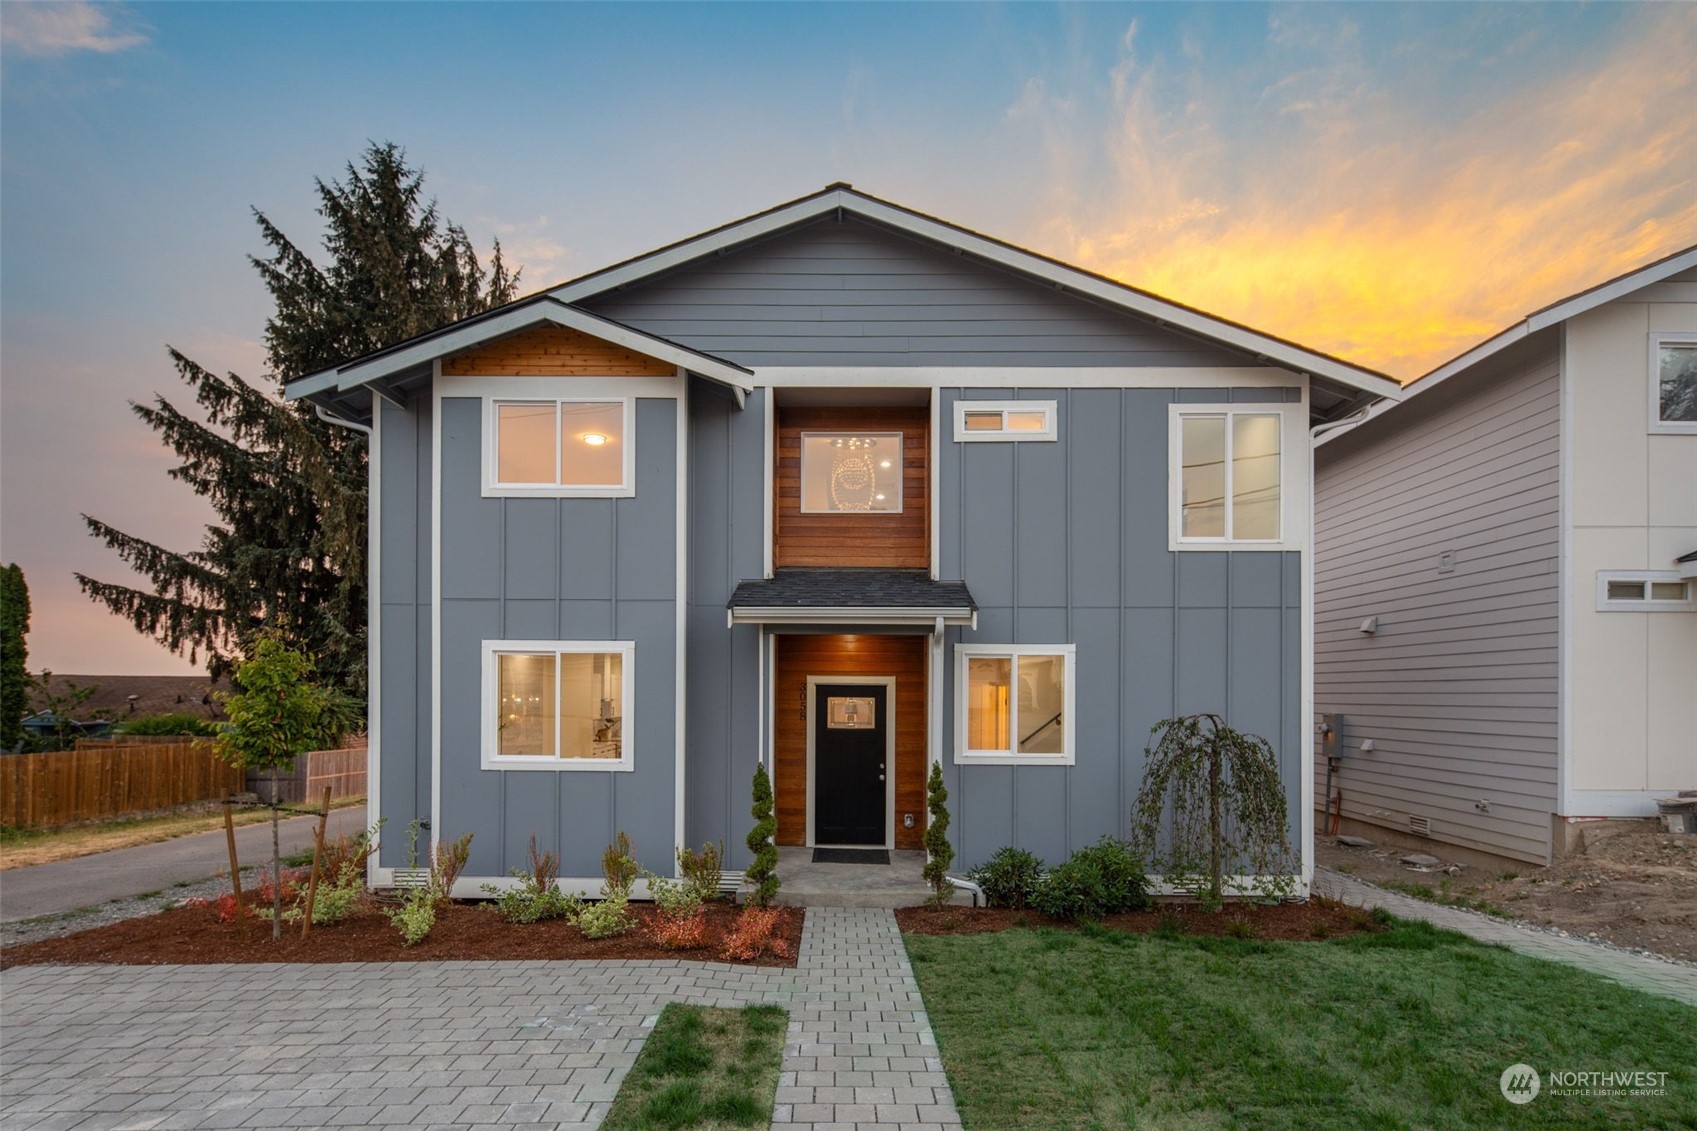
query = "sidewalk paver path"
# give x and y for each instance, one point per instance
(450, 1044)
(1675, 980)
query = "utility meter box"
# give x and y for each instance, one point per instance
(1328, 734)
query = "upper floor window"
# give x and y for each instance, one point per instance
(557, 705)
(851, 472)
(560, 446)
(1004, 420)
(1227, 476)
(1673, 383)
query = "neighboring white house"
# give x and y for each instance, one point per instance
(1506, 583)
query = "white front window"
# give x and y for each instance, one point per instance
(1644, 591)
(559, 447)
(1014, 704)
(557, 705)
(1673, 383)
(1003, 421)
(1231, 478)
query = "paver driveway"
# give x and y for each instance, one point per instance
(450, 1044)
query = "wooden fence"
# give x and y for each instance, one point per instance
(79, 785)
(342, 770)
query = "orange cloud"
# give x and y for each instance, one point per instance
(1386, 237)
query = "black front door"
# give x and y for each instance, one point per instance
(850, 724)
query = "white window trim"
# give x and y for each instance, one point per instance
(1069, 743)
(1293, 484)
(1657, 424)
(495, 761)
(901, 476)
(1050, 410)
(1606, 605)
(494, 489)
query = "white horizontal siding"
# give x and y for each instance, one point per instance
(1458, 689)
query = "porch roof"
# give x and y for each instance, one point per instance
(829, 595)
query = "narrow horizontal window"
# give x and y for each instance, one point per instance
(1015, 704)
(560, 447)
(1644, 591)
(851, 472)
(557, 705)
(1004, 420)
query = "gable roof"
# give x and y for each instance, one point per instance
(842, 199)
(524, 314)
(1541, 319)
(558, 305)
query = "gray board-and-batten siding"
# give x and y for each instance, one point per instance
(1458, 689)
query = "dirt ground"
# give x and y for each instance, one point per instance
(1633, 889)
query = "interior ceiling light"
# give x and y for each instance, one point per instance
(594, 439)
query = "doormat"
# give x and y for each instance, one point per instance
(851, 856)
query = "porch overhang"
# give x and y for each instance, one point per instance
(863, 596)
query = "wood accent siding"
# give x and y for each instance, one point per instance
(1458, 687)
(553, 351)
(903, 657)
(889, 540)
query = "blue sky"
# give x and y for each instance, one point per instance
(1388, 182)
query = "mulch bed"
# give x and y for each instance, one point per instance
(1295, 922)
(463, 931)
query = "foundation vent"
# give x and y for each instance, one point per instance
(411, 877)
(1419, 826)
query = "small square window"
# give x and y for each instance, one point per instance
(557, 705)
(1004, 421)
(1015, 704)
(1673, 383)
(560, 447)
(1228, 477)
(851, 472)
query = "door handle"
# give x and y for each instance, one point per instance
(880, 777)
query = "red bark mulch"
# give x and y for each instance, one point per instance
(194, 936)
(1298, 922)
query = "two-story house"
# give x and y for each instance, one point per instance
(842, 489)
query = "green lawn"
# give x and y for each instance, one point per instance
(705, 1069)
(1411, 1027)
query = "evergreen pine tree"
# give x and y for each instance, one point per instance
(288, 489)
(14, 677)
(762, 874)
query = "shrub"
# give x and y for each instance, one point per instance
(1100, 879)
(1228, 810)
(173, 723)
(604, 919)
(537, 896)
(753, 935)
(331, 903)
(415, 916)
(1009, 878)
(682, 931)
(447, 861)
(939, 853)
(763, 872)
(619, 866)
(703, 870)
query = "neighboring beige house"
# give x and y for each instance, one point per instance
(1506, 578)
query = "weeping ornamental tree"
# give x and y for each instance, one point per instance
(288, 549)
(1217, 793)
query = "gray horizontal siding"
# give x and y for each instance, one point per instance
(1458, 689)
(851, 293)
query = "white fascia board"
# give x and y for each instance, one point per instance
(522, 318)
(1114, 294)
(306, 386)
(786, 615)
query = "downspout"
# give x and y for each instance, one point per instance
(339, 422)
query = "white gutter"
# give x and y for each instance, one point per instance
(863, 615)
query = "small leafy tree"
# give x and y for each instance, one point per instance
(14, 677)
(63, 704)
(1227, 804)
(939, 853)
(763, 872)
(276, 716)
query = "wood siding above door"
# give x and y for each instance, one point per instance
(903, 657)
(553, 351)
(889, 540)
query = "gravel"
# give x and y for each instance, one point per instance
(69, 923)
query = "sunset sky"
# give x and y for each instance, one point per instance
(1387, 182)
